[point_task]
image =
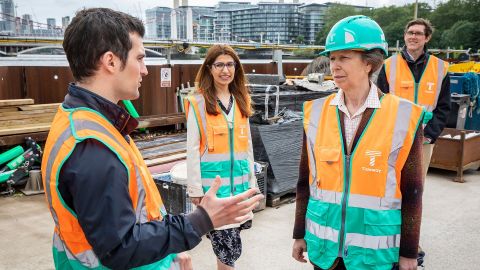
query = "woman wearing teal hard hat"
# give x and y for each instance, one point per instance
(359, 192)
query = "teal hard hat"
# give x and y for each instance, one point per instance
(355, 32)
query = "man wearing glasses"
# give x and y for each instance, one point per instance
(422, 78)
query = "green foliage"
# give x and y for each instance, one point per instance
(334, 14)
(305, 53)
(464, 34)
(300, 39)
(456, 22)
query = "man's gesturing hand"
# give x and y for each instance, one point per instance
(236, 209)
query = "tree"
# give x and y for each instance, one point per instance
(464, 34)
(300, 39)
(333, 15)
(456, 22)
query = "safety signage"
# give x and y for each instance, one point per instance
(166, 77)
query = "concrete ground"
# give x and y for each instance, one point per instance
(450, 231)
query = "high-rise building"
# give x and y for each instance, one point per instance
(193, 21)
(312, 21)
(158, 22)
(8, 15)
(267, 22)
(274, 22)
(65, 22)
(223, 19)
(27, 24)
(51, 23)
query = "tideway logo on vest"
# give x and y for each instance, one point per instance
(430, 87)
(372, 155)
(243, 131)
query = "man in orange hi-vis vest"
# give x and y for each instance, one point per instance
(107, 211)
(422, 78)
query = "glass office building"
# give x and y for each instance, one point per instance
(312, 21)
(267, 22)
(158, 23)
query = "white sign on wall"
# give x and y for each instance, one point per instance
(165, 77)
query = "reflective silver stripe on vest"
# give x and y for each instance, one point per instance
(374, 203)
(201, 110)
(207, 157)
(372, 242)
(440, 74)
(86, 258)
(311, 134)
(393, 73)
(57, 243)
(356, 200)
(225, 181)
(64, 136)
(326, 195)
(320, 231)
(400, 131)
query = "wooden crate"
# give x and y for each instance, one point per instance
(457, 154)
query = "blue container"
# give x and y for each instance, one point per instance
(456, 84)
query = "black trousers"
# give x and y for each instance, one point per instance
(340, 266)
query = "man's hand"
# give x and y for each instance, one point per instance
(299, 247)
(196, 200)
(224, 211)
(407, 263)
(184, 260)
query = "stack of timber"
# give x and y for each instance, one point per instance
(20, 118)
(160, 150)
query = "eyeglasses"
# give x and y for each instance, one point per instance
(413, 33)
(221, 65)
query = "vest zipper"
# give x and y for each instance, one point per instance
(230, 134)
(415, 85)
(342, 250)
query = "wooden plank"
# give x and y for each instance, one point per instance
(163, 160)
(39, 106)
(165, 153)
(33, 112)
(20, 138)
(27, 121)
(15, 102)
(161, 121)
(8, 109)
(27, 116)
(24, 129)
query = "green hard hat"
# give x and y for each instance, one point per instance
(355, 32)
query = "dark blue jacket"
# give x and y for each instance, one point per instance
(94, 183)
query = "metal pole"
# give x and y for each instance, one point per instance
(416, 10)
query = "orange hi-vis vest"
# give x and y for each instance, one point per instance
(71, 250)
(223, 148)
(354, 209)
(402, 82)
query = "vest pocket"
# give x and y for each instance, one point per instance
(328, 166)
(406, 90)
(382, 240)
(218, 139)
(315, 233)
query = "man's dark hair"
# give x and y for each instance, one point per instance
(420, 21)
(94, 32)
